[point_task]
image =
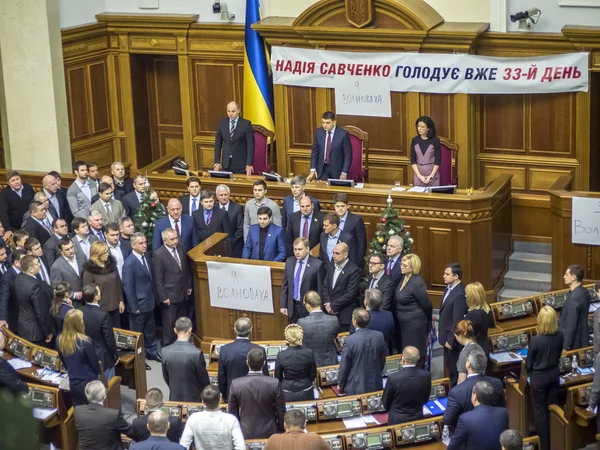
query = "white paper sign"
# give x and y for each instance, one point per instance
(585, 221)
(239, 286)
(363, 96)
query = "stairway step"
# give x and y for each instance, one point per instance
(509, 294)
(531, 262)
(527, 281)
(533, 247)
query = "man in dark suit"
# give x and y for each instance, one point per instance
(208, 219)
(232, 357)
(191, 202)
(340, 289)
(35, 298)
(382, 321)
(99, 329)
(9, 304)
(183, 366)
(407, 391)
(452, 311)
(82, 239)
(173, 278)
(182, 224)
(132, 200)
(123, 184)
(331, 236)
(302, 273)
(331, 155)
(291, 203)
(99, 428)
(14, 201)
(33, 247)
(158, 426)
(66, 268)
(265, 240)
(393, 250)
(257, 400)
(459, 397)
(58, 206)
(481, 427)
(37, 225)
(378, 279)
(352, 224)
(10, 379)
(573, 317)
(51, 248)
(234, 143)
(304, 223)
(126, 228)
(363, 357)
(154, 402)
(95, 225)
(117, 250)
(141, 295)
(235, 213)
(320, 331)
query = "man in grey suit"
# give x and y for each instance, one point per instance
(66, 268)
(81, 191)
(82, 240)
(363, 357)
(183, 366)
(257, 400)
(320, 331)
(112, 210)
(51, 248)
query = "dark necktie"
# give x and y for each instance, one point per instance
(389, 267)
(305, 227)
(373, 282)
(297, 281)
(328, 147)
(177, 228)
(208, 217)
(232, 129)
(176, 256)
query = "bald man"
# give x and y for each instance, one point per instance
(234, 143)
(57, 199)
(340, 291)
(181, 223)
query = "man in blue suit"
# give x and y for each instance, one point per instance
(459, 397)
(291, 203)
(363, 357)
(158, 425)
(182, 223)
(9, 306)
(331, 236)
(481, 427)
(265, 240)
(232, 357)
(141, 295)
(393, 250)
(382, 321)
(331, 155)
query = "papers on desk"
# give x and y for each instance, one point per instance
(50, 376)
(435, 407)
(354, 422)
(593, 307)
(18, 363)
(316, 392)
(368, 418)
(418, 189)
(271, 365)
(585, 370)
(362, 421)
(359, 185)
(43, 413)
(506, 357)
(398, 189)
(384, 381)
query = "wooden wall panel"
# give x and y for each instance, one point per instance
(303, 116)
(440, 108)
(503, 123)
(99, 97)
(78, 102)
(551, 124)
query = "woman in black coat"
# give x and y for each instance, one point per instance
(295, 367)
(480, 314)
(413, 307)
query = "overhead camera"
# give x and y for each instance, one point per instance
(527, 19)
(225, 15)
(217, 7)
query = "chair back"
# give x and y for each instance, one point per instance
(360, 149)
(263, 149)
(449, 166)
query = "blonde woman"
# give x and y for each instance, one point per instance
(413, 307)
(78, 356)
(480, 314)
(295, 367)
(101, 269)
(542, 363)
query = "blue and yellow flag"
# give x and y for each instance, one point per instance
(258, 84)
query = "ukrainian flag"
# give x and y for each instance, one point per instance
(258, 85)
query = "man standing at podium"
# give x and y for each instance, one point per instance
(234, 142)
(331, 155)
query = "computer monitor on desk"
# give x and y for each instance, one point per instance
(338, 182)
(451, 189)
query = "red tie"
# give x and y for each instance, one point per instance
(177, 228)
(389, 268)
(305, 227)
(328, 147)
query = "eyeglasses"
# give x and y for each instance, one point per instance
(371, 263)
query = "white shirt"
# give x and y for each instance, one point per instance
(343, 221)
(338, 270)
(448, 292)
(376, 277)
(85, 246)
(179, 224)
(73, 264)
(210, 430)
(225, 206)
(118, 255)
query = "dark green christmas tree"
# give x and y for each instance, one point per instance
(390, 224)
(148, 213)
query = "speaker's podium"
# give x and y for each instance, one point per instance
(217, 322)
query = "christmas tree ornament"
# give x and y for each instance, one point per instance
(145, 224)
(391, 232)
(381, 240)
(383, 220)
(389, 199)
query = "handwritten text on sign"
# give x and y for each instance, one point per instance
(585, 221)
(360, 96)
(240, 286)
